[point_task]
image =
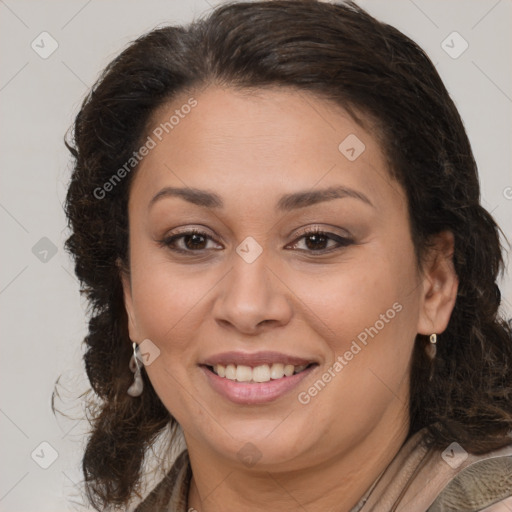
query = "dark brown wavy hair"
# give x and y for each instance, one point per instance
(336, 52)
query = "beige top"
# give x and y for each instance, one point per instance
(418, 479)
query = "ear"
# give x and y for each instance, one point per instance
(440, 285)
(124, 275)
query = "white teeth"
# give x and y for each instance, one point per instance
(243, 373)
(289, 369)
(231, 372)
(277, 371)
(262, 373)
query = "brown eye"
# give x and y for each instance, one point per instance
(318, 241)
(187, 241)
(193, 241)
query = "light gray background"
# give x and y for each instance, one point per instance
(43, 319)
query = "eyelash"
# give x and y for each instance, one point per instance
(342, 241)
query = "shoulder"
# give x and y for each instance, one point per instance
(484, 483)
(424, 478)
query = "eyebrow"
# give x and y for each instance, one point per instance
(286, 203)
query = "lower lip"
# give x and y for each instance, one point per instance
(257, 392)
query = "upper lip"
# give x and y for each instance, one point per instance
(255, 359)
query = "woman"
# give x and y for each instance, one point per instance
(275, 217)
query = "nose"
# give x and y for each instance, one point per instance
(252, 297)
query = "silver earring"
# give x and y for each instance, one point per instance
(138, 384)
(431, 348)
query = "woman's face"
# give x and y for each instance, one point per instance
(256, 173)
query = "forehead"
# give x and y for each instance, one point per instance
(258, 142)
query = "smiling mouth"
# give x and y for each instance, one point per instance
(257, 374)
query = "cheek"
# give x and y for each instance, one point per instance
(167, 305)
(165, 299)
(343, 302)
(366, 314)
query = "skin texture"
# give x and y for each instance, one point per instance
(250, 149)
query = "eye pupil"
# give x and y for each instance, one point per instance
(195, 237)
(317, 238)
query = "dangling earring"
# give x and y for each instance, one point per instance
(431, 348)
(138, 384)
